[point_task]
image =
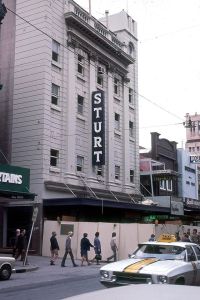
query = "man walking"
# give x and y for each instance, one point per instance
(21, 245)
(68, 249)
(54, 247)
(15, 241)
(85, 247)
(113, 246)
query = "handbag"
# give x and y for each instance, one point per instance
(98, 257)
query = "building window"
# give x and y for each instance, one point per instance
(80, 64)
(55, 51)
(55, 93)
(169, 185)
(100, 74)
(80, 104)
(197, 148)
(163, 185)
(100, 80)
(80, 163)
(189, 149)
(131, 48)
(117, 121)
(130, 95)
(166, 184)
(54, 156)
(132, 176)
(116, 86)
(117, 172)
(130, 128)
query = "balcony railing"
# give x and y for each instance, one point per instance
(90, 20)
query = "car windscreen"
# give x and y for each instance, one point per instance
(160, 251)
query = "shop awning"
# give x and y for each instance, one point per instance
(102, 202)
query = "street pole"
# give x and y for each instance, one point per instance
(34, 217)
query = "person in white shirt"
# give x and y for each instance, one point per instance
(114, 248)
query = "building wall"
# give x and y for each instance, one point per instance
(39, 127)
(188, 182)
(128, 237)
(193, 134)
(7, 58)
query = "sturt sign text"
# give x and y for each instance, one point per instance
(98, 128)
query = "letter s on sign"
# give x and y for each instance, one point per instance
(97, 98)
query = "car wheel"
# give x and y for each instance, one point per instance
(180, 281)
(5, 272)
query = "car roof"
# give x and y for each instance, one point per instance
(180, 244)
(142, 292)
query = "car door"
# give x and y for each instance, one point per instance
(197, 251)
(191, 276)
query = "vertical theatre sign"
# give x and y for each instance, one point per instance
(98, 128)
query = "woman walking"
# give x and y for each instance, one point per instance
(97, 248)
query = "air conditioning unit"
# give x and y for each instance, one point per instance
(101, 70)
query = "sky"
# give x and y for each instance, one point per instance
(168, 62)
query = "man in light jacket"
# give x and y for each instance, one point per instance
(68, 249)
(113, 246)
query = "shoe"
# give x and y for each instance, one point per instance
(52, 263)
(75, 265)
(63, 266)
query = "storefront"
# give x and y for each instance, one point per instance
(16, 202)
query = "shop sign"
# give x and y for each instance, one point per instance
(98, 128)
(14, 179)
(177, 208)
(195, 159)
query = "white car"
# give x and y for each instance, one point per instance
(164, 262)
(142, 292)
(7, 266)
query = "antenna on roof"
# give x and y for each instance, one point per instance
(127, 6)
(90, 7)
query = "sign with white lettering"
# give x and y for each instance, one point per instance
(195, 159)
(98, 128)
(14, 179)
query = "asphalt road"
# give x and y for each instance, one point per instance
(50, 282)
(52, 291)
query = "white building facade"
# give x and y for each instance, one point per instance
(62, 55)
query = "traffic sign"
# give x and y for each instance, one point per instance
(35, 213)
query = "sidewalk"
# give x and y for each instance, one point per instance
(35, 262)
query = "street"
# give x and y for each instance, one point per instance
(50, 282)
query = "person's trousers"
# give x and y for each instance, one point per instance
(54, 255)
(65, 256)
(113, 256)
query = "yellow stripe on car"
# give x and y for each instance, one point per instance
(134, 268)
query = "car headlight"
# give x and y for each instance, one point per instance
(104, 274)
(162, 279)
